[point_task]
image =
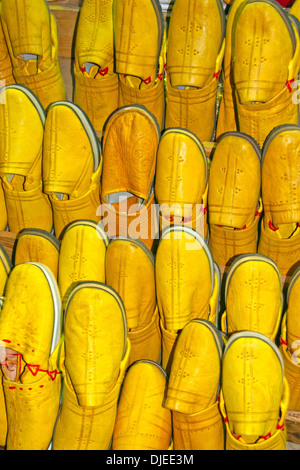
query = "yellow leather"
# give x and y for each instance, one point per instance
(253, 296)
(295, 9)
(277, 441)
(185, 108)
(88, 427)
(96, 88)
(72, 165)
(284, 251)
(31, 288)
(6, 75)
(235, 181)
(253, 387)
(21, 145)
(130, 144)
(130, 218)
(194, 379)
(181, 182)
(152, 97)
(82, 256)
(184, 277)
(3, 210)
(199, 431)
(227, 118)
(143, 422)
(196, 32)
(130, 272)
(31, 29)
(138, 38)
(95, 327)
(263, 76)
(3, 414)
(5, 268)
(290, 354)
(37, 246)
(292, 318)
(32, 409)
(194, 62)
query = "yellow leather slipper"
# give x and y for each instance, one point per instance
(130, 145)
(95, 327)
(3, 210)
(280, 234)
(181, 183)
(289, 342)
(266, 54)
(5, 268)
(23, 118)
(130, 272)
(32, 395)
(37, 246)
(194, 62)
(72, 165)
(140, 47)
(6, 75)
(194, 387)
(253, 296)
(82, 256)
(142, 422)
(255, 394)
(31, 35)
(234, 197)
(185, 283)
(96, 88)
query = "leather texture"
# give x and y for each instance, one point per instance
(82, 256)
(181, 182)
(253, 296)
(289, 353)
(5, 269)
(265, 38)
(6, 75)
(37, 246)
(31, 29)
(88, 427)
(96, 88)
(3, 210)
(21, 145)
(143, 422)
(254, 388)
(72, 165)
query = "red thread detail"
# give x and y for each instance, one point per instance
(83, 69)
(103, 71)
(41, 386)
(187, 220)
(280, 427)
(272, 227)
(282, 341)
(6, 341)
(160, 76)
(289, 84)
(34, 369)
(243, 228)
(226, 419)
(170, 219)
(217, 74)
(11, 388)
(236, 437)
(267, 436)
(147, 81)
(165, 67)
(204, 210)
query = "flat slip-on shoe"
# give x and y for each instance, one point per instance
(227, 116)
(143, 422)
(289, 341)
(181, 183)
(22, 119)
(94, 327)
(253, 296)
(266, 53)
(254, 394)
(96, 88)
(234, 197)
(31, 35)
(130, 271)
(6, 75)
(82, 256)
(130, 143)
(194, 387)
(3, 210)
(185, 284)
(37, 246)
(193, 65)
(32, 396)
(72, 165)
(5, 268)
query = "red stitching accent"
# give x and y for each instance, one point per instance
(267, 436)
(160, 76)
(147, 80)
(103, 71)
(243, 228)
(83, 69)
(272, 227)
(282, 341)
(6, 341)
(281, 428)
(217, 74)
(34, 369)
(289, 84)
(187, 220)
